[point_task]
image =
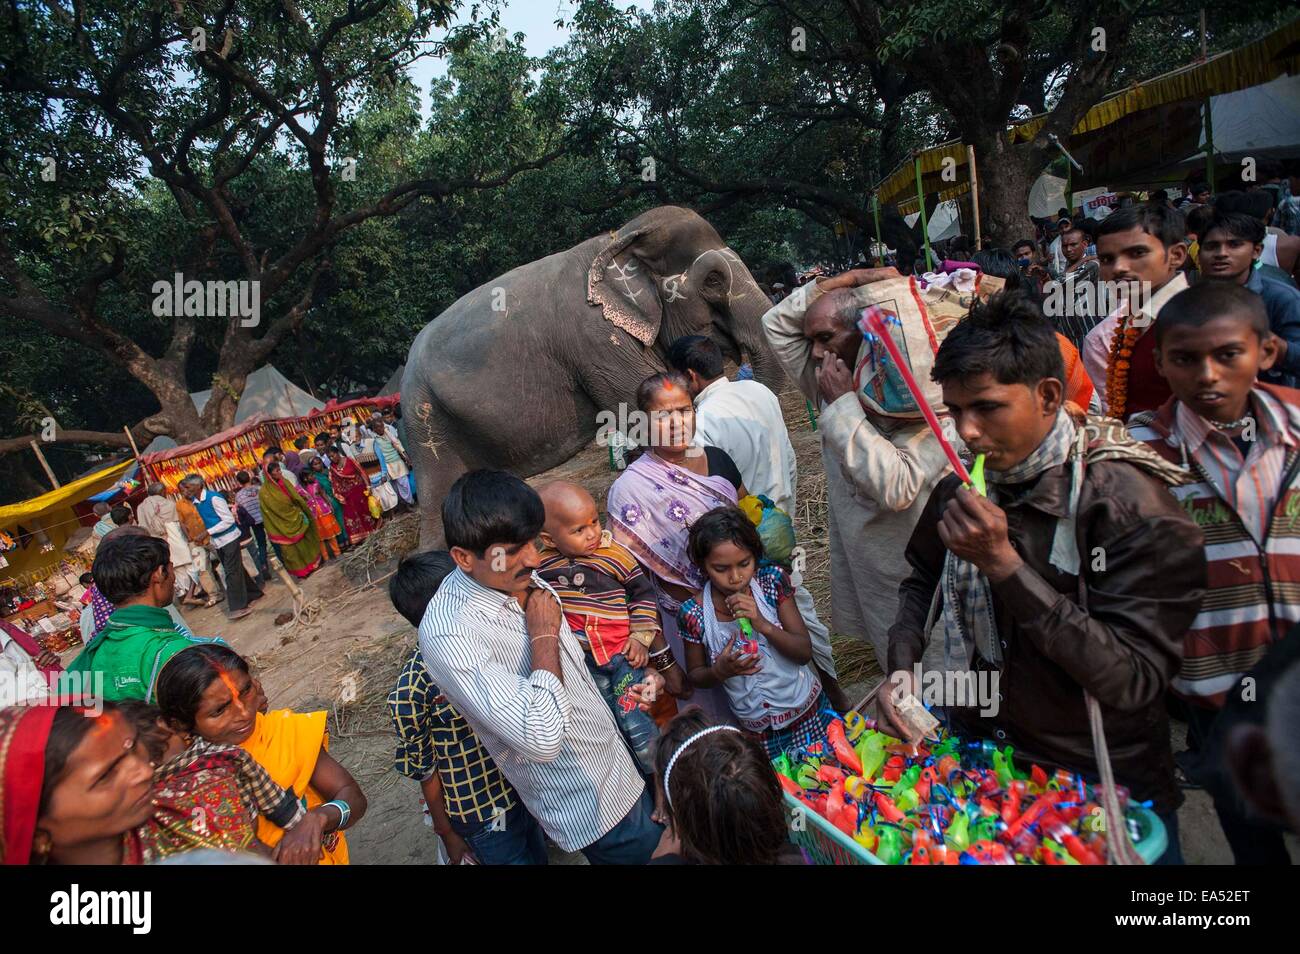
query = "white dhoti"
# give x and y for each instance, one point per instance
(180, 556)
(201, 562)
(817, 630)
(398, 474)
(389, 450)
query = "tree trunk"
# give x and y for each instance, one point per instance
(175, 403)
(1004, 183)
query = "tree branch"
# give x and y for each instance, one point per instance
(143, 432)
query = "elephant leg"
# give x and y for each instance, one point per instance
(436, 460)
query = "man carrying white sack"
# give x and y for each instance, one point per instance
(880, 457)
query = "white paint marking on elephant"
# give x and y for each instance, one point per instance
(623, 274)
(671, 284)
(729, 257)
(423, 413)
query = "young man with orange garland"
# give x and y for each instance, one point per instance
(1144, 244)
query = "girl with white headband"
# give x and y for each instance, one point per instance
(721, 795)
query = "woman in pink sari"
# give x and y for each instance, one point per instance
(351, 489)
(654, 502)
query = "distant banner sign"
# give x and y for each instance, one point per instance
(1098, 207)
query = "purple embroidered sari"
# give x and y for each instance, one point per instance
(651, 508)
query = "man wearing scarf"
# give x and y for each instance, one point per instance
(880, 458)
(1077, 575)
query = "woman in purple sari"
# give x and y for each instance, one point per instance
(654, 502)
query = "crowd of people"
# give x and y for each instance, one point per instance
(306, 506)
(618, 686)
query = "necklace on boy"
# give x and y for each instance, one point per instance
(1233, 425)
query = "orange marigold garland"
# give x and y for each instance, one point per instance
(1117, 368)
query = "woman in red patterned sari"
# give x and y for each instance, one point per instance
(74, 789)
(352, 490)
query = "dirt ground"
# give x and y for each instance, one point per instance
(343, 656)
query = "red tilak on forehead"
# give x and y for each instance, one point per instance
(224, 676)
(103, 724)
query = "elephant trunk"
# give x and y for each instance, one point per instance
(747, 312)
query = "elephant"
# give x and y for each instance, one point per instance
(515, 374)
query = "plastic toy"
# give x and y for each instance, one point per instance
(871, 753)
(841, 748)
(889, 844)
(748, 645)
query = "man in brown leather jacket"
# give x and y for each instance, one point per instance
(1065, 500)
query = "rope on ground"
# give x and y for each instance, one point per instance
(353, 685)
(395, 538)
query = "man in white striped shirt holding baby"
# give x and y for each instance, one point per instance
(496, 643)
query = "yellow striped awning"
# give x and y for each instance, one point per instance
(1265, 59)
(65, 496)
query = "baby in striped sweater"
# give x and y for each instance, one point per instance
(610, 604)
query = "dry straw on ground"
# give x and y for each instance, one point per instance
(396, 537)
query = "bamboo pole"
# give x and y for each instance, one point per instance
(131, 437)
(46, 464)
(1209, 122)
(974, 194)
(925, 224)
(875, 211)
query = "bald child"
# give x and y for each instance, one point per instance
(610, 605)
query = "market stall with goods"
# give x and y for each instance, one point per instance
(217, 458)
(862, 796)
(45, 546)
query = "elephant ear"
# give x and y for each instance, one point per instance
(625, 288)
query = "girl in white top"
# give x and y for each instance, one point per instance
(772, 690)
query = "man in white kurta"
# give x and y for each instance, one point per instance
(879, 474)
(21, 680)
(744, 419)
(392, 457)
(157, 514)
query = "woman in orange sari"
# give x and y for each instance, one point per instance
(209, 691)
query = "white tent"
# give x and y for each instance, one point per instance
(943, 224)
(1047, 196)
(267, 391)
(394, 382)
(1260, 121)
(160, 443)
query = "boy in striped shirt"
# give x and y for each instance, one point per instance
(1240, 439)
(610, 605)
